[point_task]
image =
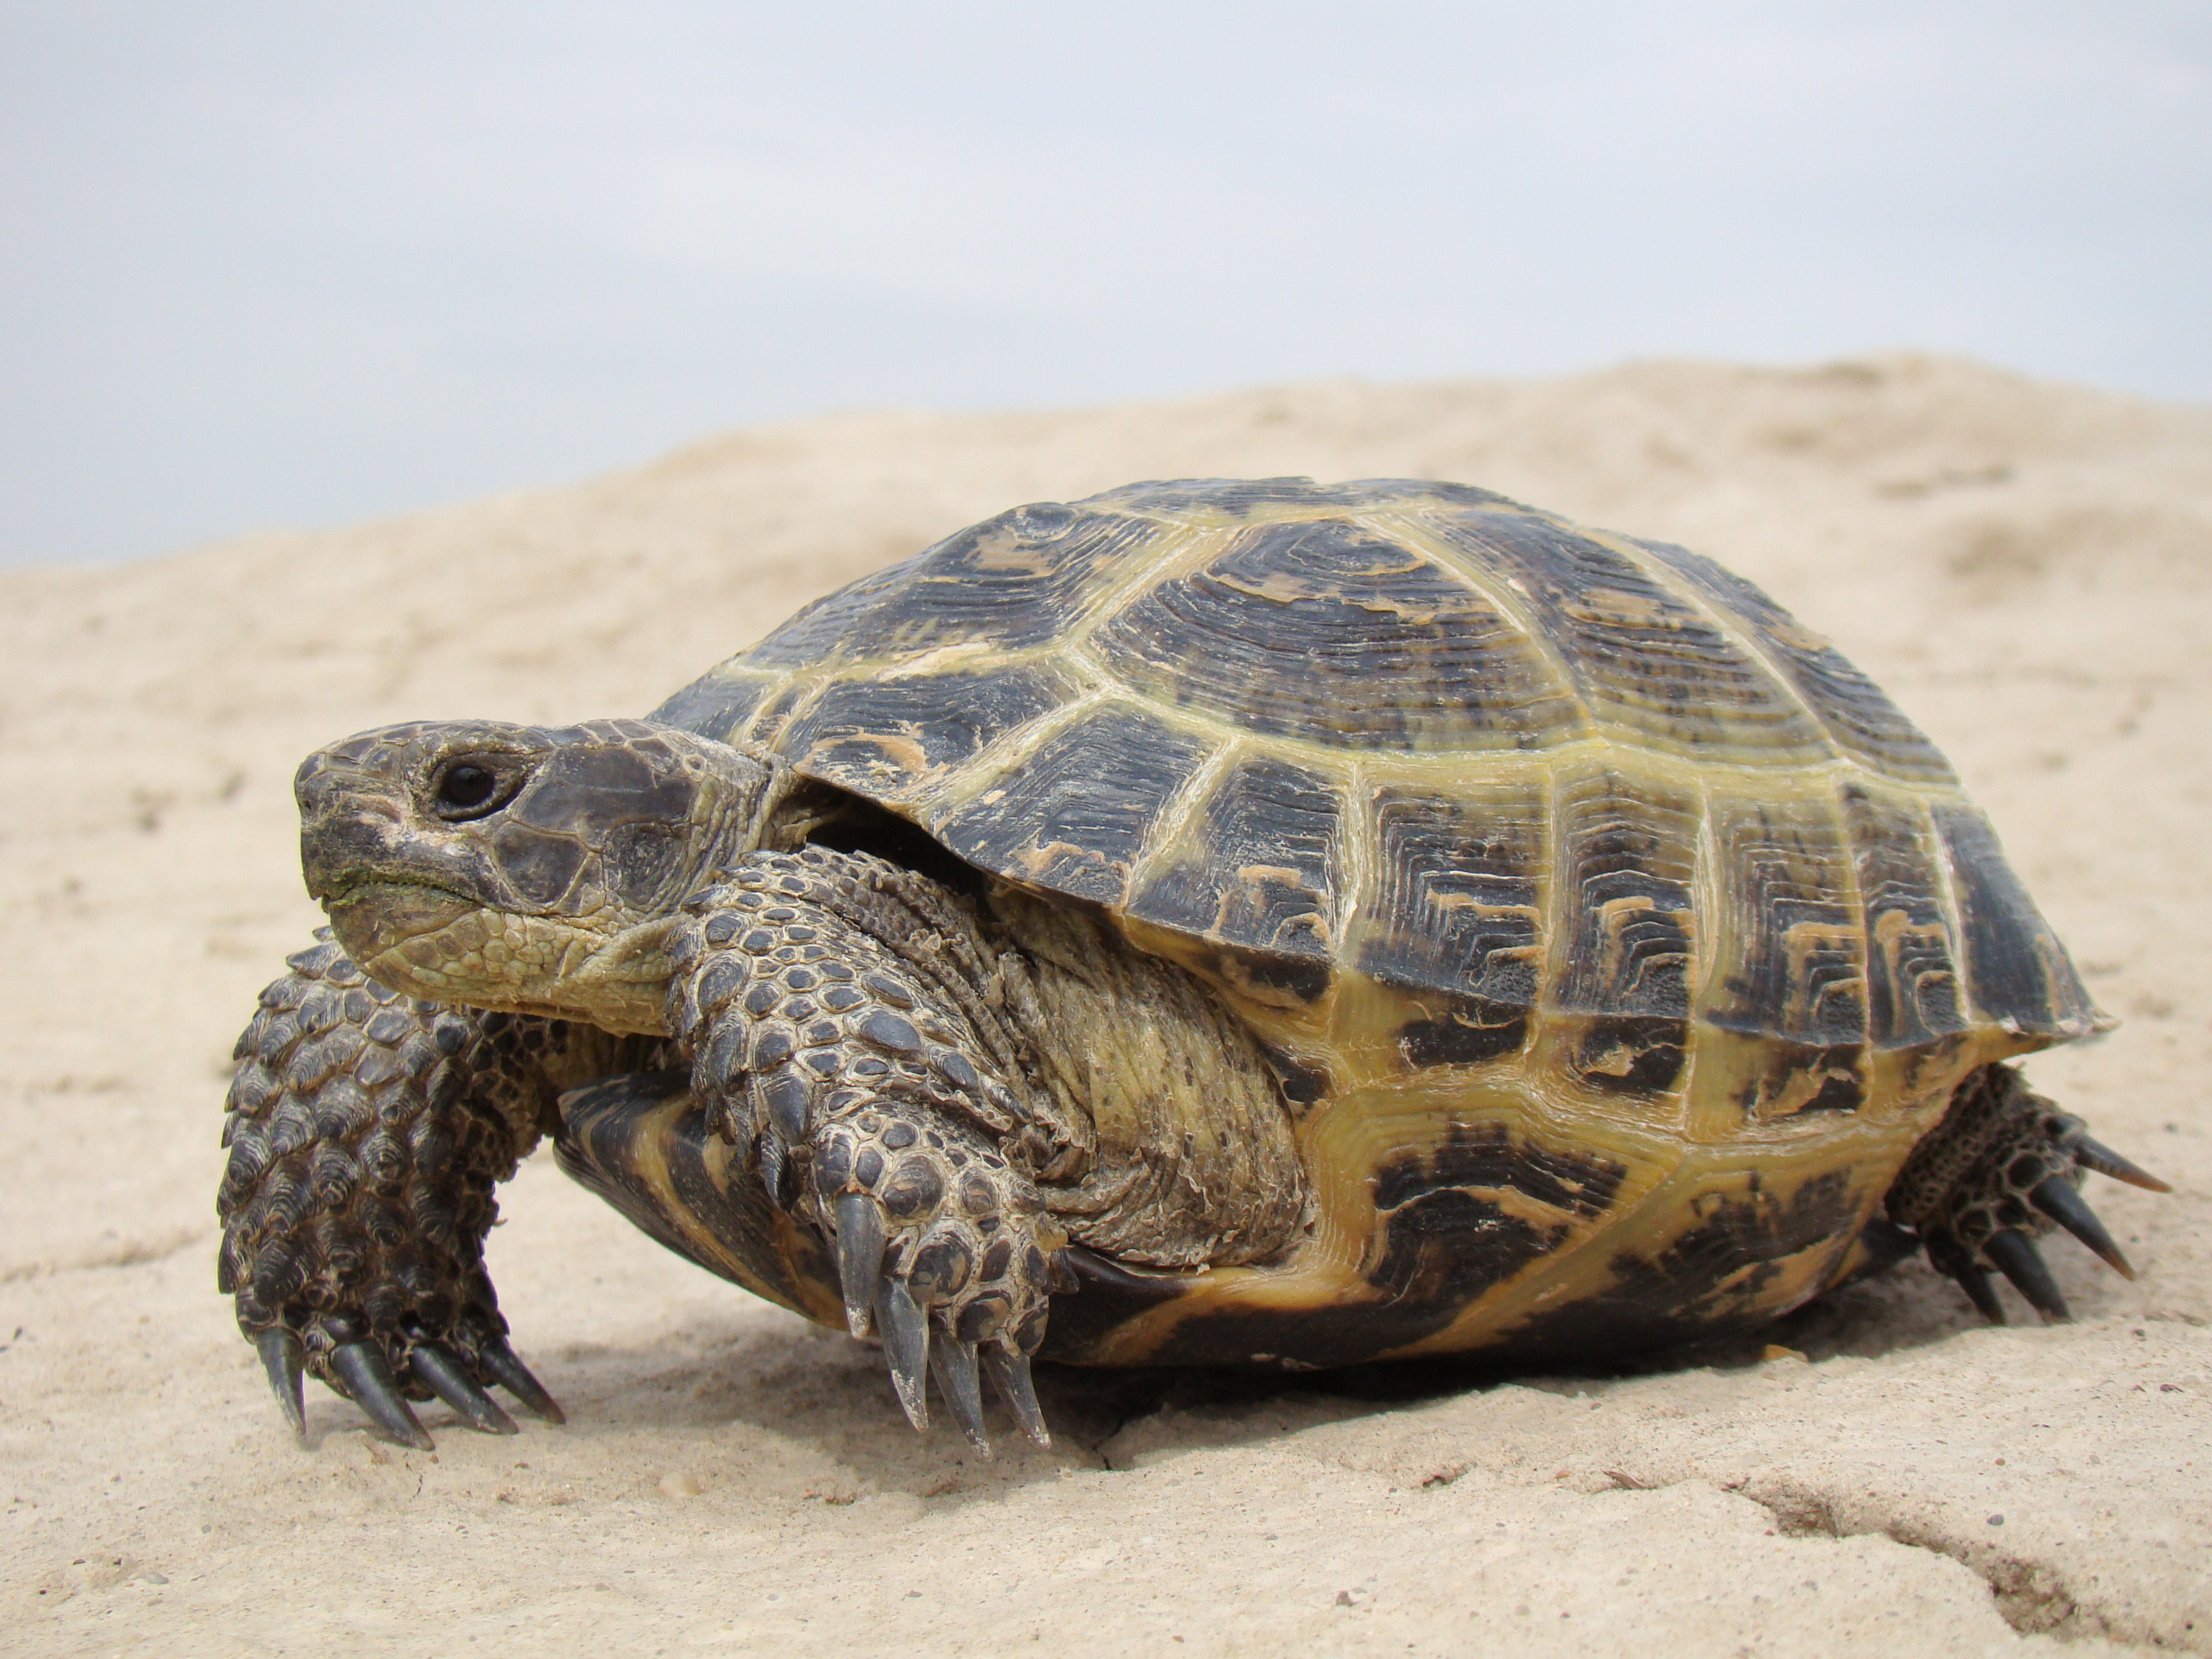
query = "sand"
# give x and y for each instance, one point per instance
(2028, 567)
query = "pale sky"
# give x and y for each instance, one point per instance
(300, 263)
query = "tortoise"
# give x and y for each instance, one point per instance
(1223, 923)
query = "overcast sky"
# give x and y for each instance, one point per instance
(302, 262)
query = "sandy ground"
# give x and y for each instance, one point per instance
(2028, 569)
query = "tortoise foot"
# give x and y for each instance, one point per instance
(2002, 1169)
(945, 1253)
(364, 1138)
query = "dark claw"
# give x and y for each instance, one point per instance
(860, 1256)
(1010, 1376)
(2018, 1260)
(514, 1376)
(1979, 1291)
(368, 1378)
(905, 1330)
(2106, 1161)
(286, 1363)
(2057, 1199)
(954, 1363)
(774, 1165)
(444, 1377)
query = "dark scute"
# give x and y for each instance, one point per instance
(1912, 973)
(1631, 1054)
(1629, 862)
(1264, 879)
(1304, 979)
(1015, 581)
(1457, 905)
(1443, 1245)
(1858, 717)
(820, 629)
(1801, 954)
(1704, 1284)
(1331, 633)
(1469, 1032)
(1796, 1078)
(1109, 1296)
(1839, 1092)
(868, 733)
(1448, 1246)
(1340, 1335)
(600, 1146)
(1640, 656)
(539, 865)
(2018, 969)
(1075, 817)
(1303, 1083)
(714, 706)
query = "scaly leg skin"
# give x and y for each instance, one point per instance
(367, 1131)
(2002, 1169)
(815, 992)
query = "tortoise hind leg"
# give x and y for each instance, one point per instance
(2003, 1168)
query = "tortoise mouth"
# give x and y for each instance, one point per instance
(378, 912)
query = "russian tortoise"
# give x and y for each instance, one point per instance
(1223, 923)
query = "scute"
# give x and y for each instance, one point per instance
(1912, 976)
(1075, 817)
(1645, 662)
(1459, 903)
(887, 738)
(1857, 715)
(1260, 872)
(2021, 976)
(1012, 582)
(1331, 633)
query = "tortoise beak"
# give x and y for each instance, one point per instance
(352, 820)
(359, 828)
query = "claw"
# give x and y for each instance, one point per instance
(2057, 1199)
(906, 1344)
(2090, 1155)
(1010, 1374)
(1979, 1291)
(860, 1256)
(954, 1363)
(2018, 1260)
(446, 1379)
(284, 1359)
(368, 1378)
(774, 1165)
(514, 1376)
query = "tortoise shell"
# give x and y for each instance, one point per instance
(1613, 937)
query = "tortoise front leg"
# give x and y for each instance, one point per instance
(813, 995)
(367, 1131)
(2002, 1169)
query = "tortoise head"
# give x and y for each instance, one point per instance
(526, 868)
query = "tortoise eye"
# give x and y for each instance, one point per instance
(467, 790)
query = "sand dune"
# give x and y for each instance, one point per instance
(2028, 567)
